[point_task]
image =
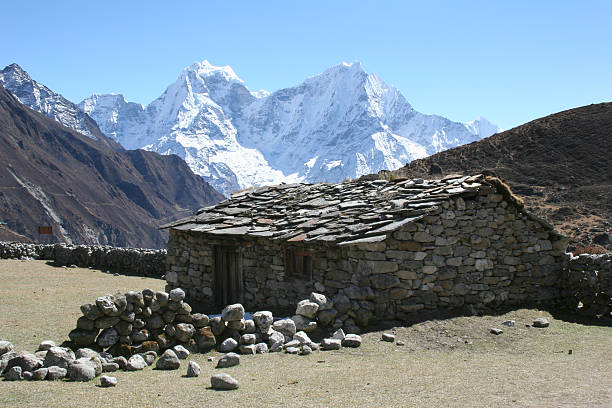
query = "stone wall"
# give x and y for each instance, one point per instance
(479, 252)
(588, 284)
(131, 261)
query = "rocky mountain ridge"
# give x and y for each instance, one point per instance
(560, 164)
(42, 99)
(87, 192)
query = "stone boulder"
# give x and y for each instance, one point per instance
(93, 362)
(184, 332)
(247, 339)
(59, 356)
(107, 338)
(304, 324)
(181, 352)
(41, 373)
(541, 322)
(351, 340)
(205, 339)
(107, 381)
(263, 320)
(53, 373)
(91, 311)
(228, 360)
(326, 317)
(261, 348)
(223, 381)
(200, 320)
(331, 344)
(83, 338)
(81, 372)
(13, 374)
(193, 369)
(307, 309)
(228, 345)
(177, 295)
(136, 363)
(25, 361)
(168, 361)
(233, 312)
(106, 304)
(285, 326)
(302, 337)
(45, 345)
(85, 353)
(324, 302)
(5, 347)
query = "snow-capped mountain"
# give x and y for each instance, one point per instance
(41, 99)
(342, 123)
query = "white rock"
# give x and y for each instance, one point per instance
(285, 326)
(107, 381)
(324, 302)
(228, 345)
(302, 337)
(338, 334)
(263, 320)
(331, 344)
(233, 312)
(181, 352)
(307, 309)
(135, 363)
(193, 369)
(46, 345)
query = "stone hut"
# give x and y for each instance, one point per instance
(380, 249)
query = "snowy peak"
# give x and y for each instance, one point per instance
(481, 126)
(42, 99)
(341, 123)
(205, 69)
(14, 72)
(114, 115)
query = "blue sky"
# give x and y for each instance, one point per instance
(510, 62)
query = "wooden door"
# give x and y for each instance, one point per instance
(228, 276)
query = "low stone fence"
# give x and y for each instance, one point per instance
(131, 261)
(588, 284)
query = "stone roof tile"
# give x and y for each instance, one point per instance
(343, 213)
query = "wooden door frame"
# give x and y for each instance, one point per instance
(228, 290)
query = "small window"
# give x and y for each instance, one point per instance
(298, 264)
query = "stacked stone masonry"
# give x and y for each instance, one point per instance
(477, 248)
(133, 261)
(588, 284)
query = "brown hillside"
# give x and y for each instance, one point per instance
(561, 164)
(88, 192)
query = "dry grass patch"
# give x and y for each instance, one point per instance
(451, 362)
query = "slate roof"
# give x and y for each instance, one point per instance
(343, 213)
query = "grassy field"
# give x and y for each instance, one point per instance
(451, 362)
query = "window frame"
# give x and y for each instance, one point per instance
(298, 263)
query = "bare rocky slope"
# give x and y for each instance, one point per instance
(560, 164)
(88, 192)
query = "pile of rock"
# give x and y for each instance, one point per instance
(51, 362)
(128, 332)
(351, 308)
(140, 321)
(264, 333)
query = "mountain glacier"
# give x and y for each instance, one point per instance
(340, 124)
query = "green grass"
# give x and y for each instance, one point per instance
(452, 362)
